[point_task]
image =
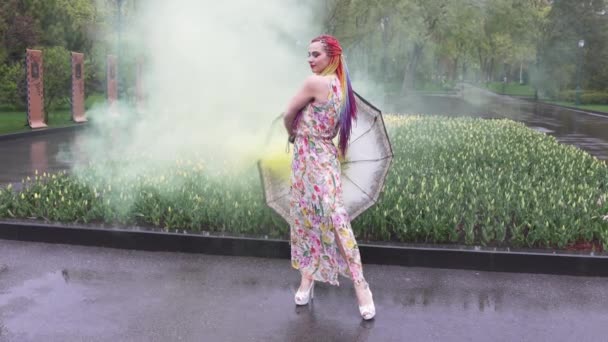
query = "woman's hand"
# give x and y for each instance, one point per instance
(289, 124)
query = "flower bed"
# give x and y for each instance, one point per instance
(460, 180)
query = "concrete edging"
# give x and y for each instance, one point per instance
(532, 100)
(42, 131)
(584, 110)
(467, 258)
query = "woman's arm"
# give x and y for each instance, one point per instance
(304, 96)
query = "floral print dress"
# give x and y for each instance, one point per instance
(322, 241)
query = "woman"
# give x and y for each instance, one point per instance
(322, 241)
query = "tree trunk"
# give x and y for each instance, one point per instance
(384, 24)
(409, 77)
(455, 69)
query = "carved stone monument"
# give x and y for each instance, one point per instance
(35, 88)
(78, 94)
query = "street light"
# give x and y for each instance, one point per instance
(118, 42)
(581, 45)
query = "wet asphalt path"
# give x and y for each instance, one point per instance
(52, 152)
(72, 293)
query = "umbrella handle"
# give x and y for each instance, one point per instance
(291, 139)
(272, 124)
(276, 119)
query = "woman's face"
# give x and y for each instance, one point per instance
(317, 57)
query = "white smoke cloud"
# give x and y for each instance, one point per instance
(216, 74)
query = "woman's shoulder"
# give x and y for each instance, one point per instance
(318, 81)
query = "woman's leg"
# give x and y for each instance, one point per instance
(349, 250)
(305, 282)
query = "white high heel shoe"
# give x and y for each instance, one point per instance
(368, 311)
(302, 298)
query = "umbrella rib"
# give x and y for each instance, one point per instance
(365, 160)
(358, 187)
(279, 197)
(364, 133)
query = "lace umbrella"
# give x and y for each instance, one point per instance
(363, 171)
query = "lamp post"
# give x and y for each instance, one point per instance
(581, 45)
(118, 43)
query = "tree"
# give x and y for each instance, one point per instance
(12, 85)
(18, 31)
(57, 77)
(567, 23)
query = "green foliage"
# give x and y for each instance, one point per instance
(471, 181)
(57, 77)
(74, 25)
(567, 95)
(490, 182)
(12, 85)
(16, 121)
(587, 97)
(181, 197)
(512, 89)
(595, 98)
(63, 22)
(400, 43)
(567, 23)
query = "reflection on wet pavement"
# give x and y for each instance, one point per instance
(587, 131)
(51, 152)
(74, 293)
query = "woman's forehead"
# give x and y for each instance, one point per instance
(316, 46)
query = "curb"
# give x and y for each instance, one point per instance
(532, 100)
(578, 109)
(468, 258)
(42, 131)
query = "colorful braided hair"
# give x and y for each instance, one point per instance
(348, 107)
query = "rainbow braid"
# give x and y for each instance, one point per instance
(348, 108)
(348, 105)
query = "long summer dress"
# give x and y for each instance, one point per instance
(321, 225)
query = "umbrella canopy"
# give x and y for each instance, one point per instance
(363, 171)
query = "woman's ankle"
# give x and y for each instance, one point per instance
(305, 279)
(361, 283)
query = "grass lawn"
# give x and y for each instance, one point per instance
(14, 121)
(513, 89)
(597, 108)
(433, 87)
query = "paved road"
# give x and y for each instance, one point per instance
(588, 131)
(71, 293)
(52, 152)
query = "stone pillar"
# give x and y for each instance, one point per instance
(35, 88)
(139, 91)
(78, 94)
(111, 83)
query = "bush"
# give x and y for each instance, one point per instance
(567, 95)
(12, 86)
(57, 77)
(587, 98)
(594, 98)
